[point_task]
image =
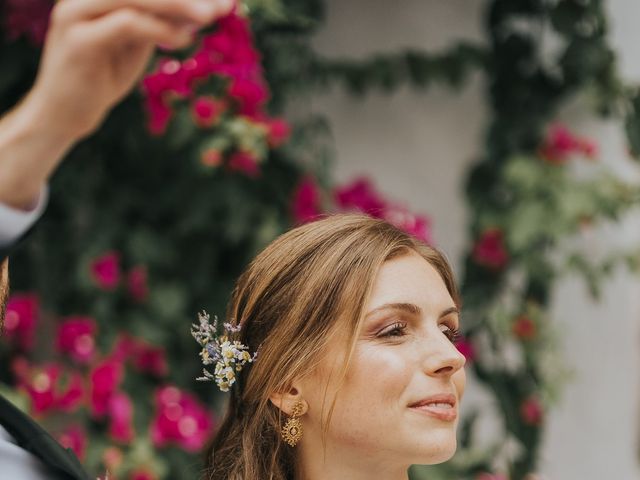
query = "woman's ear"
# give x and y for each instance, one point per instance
(287, 400)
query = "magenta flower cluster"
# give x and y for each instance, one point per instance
(106, 273)
(26, 18)
(83, 381)
(360, 196)
(561, 144)
(220, 81)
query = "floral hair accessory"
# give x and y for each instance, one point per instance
(228, 357)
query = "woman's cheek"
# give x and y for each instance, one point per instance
(460, 381)
(380, 370)
(372, 397)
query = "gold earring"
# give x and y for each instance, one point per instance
(292, 430)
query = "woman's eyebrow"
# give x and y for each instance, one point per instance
(449, 311)
(410, 308)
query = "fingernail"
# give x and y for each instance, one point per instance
(227, 4)
(204, 8)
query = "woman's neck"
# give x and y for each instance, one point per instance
(317, 463)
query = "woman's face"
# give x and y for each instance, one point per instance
(400, 397)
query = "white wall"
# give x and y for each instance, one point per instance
(417, 147)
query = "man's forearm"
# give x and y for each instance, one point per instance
(94, 54)
(31, 147)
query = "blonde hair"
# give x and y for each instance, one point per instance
(4, 291)
(303, 287)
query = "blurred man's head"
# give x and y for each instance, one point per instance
(4, 290)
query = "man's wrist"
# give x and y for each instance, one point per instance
(31, 147)
(14, 222)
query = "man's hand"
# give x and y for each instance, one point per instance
(96, 50)
(94, 53)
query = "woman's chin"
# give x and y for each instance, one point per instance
(436, 451)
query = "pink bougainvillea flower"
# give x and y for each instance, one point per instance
(231, 48)
(159, 114)
(29, 18)
(105, 270)
(72, 394)
(490, 250)
(419, 227)
(466, 348)
(20, 320)
(151, 359)
(360, 195)
(50, 388)
(561, 143)
(206, 111)
(531, 411)
(75, 438)
(144, 356)
(125, 348)
(306, 200)
(105, 379)
(120, 410)
(415, 225)
(171, 81)
(160, 87)
(524, 328)
(40, 387)
(180, 419)
(137, 284)
(244, 162)
(278, 131)
(228, 52)
(250, 94)
(76, 337)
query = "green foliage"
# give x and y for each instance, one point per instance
(389, 72)
(538, 204)
(633, 124)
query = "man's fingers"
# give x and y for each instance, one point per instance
(200, 12)
(131, 26)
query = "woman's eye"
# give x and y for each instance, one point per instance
(453, 334)
(395, 330)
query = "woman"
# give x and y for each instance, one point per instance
(357, 375)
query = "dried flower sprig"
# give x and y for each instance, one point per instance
(228, 357)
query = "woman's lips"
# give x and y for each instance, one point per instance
(444, 412)
(442, 407)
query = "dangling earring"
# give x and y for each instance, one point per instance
(292, 430)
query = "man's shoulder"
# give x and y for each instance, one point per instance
(29, 437)
(17, 463)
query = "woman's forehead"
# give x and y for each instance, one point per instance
(409, 279)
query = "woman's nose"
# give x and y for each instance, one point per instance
(442, 358)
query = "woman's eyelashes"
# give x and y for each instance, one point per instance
(396, 329)
(452, 333)
(399, 329)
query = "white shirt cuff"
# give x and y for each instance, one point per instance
(14, 222)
